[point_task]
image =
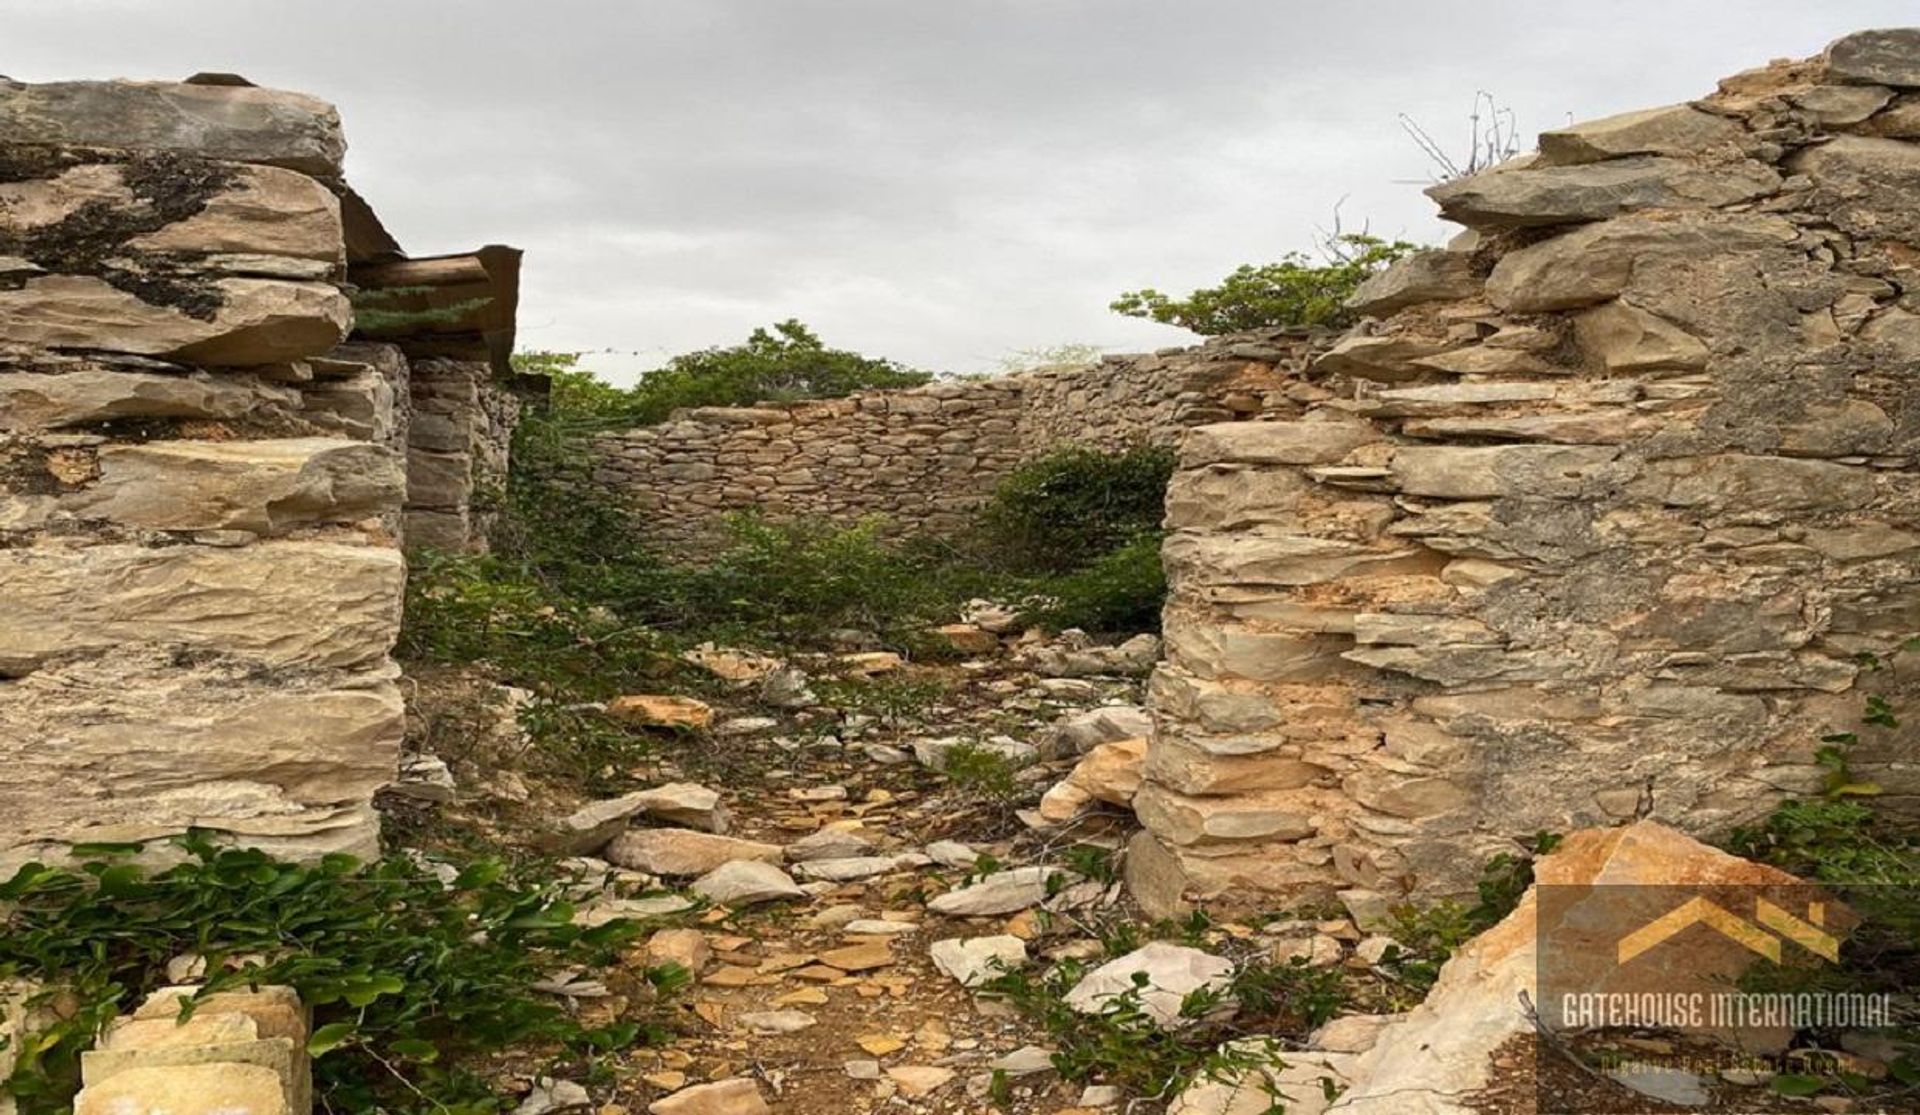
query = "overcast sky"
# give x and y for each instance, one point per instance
(938, 181)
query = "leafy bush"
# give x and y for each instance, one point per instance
(574, 394)
(793, 582)
(1295, 293)
(1061, 511)
(1427, 937)
(981, 772)
(402, 970)
(786, 363)
(464, 608)
(1120, 591)
(1833, 841)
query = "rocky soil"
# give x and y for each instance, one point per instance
(835, 892)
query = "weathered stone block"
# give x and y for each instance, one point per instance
(1772, 484)
(1181, 819)
(1410, 280)
(262, 486)
(1279, 559)
(1889, 56)
(1470, 472)
(1556, 195)
(98, 1066)
(241, 123)
(284, 762)
(266, 211)
(1274, 443)
(1671, 130)
(256, 603)
(1597, 262)
(259, 321)
(1624, 338)
(31, 400)
(215, 1089)
(441, 481)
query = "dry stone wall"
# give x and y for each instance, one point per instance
(922, 459)
(201, 488)
(1591, 519)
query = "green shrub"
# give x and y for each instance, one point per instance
(794, 582)
(1119, 592)
(574, 394)
(1060, 512)
(465, 608)
(785, 364)
(401, 969)
(981, 772)
(1297, 292)
(1427, 937)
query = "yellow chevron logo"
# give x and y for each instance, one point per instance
(1751, 935)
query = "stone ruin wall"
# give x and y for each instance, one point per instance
(202, 491)
(922, 459)
(1590, 519)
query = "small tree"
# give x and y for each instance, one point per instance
(574, 392)
(784, 364)
(1297, 292)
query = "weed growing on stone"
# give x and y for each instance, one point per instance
(1427, 936)
(982, 773)
(412, 972)
(1221, 1034)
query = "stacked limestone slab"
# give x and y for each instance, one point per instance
(1594, 517)
(924, 459)
(457, 452)
(238, 1053)
(197, 502)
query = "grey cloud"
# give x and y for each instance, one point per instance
(937, 182)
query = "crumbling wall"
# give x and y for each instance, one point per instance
(457, 452)
(1592, 520)
(922, 459)
(198, 493)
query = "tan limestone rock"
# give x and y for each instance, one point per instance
(968, 639)
(256, 602)
(685, 947)
(1110, 773)
(1624, 338)
(683, 851)
(1669, 130)
(725, 1097)
(263, 486)
(656, 711)
(1556, 195)
(259, 321)
(268, 211)
(1430, 276)
(97, 394)
(1597, 262)
(213, 1089)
